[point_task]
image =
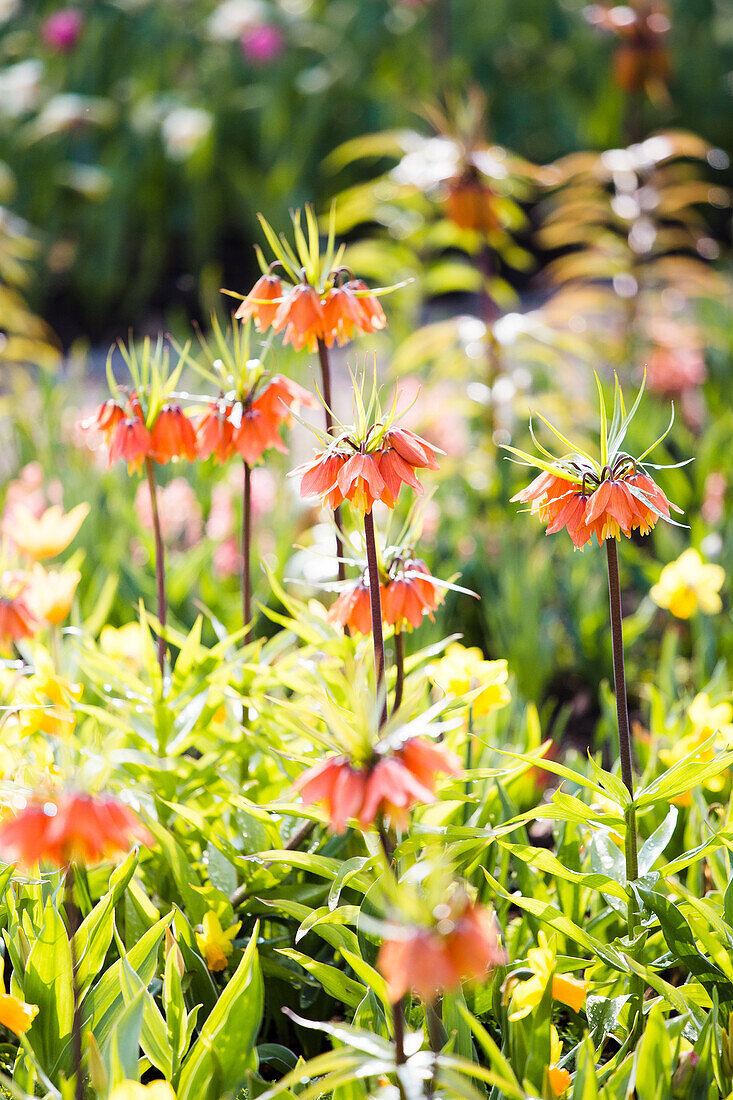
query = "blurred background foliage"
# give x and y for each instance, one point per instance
(144, 135)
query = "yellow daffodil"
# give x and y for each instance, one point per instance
(45, 703)
(15, 1014)
(527, 994)
(689, 585)
(133, 1090)
(463, 670)
(708, 719)
(559, 1078)
(50, 533)
(215, 944)
(124, 644)
(51, 593)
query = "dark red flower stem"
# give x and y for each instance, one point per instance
(326, 384)
(398, 1007)
(73, 917)
(159, 559)
(375, 601)
(622, 712)
(399, 656)
(247, 552)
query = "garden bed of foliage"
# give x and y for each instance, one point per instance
(366, 724)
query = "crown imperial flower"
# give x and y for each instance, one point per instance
(602, 499)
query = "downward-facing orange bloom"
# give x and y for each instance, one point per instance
(47, 535)
(353, 608)
(172, 435)
(300, 318)
(16, 619)
(215, 431)
(471, 204)
(252, 426)
(131, 442)
(372, 314)
(262, 302)
(69, 827)
(105, 419)
(621, 502)
(363, 477)
(409, 594)
(388, 788)
(304, 315)
(559, 1079)
(431, 961)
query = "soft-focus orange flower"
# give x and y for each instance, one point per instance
(362, 476)
(131, 442)
(252, 426)
(620, 503)
(471, 204)
(47, 535)
(674, 370)
(15, 1014)
(372, 314)
(300, 318)
(262, 302)
(463, 947)
(215, 431)
(105, 419)
(409, 594)
(352, 608)
(16, 619)
(51, 593)
(425, 759)
(641, 60)
(388, 788)
(69, 827)
(281, 395)
(172, 435)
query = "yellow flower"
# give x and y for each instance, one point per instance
(124, 644)
(527, 994)
(214, 943)
(48, 535)
(50, 594)
(133, 1090)
(463, 670)
(45, 703)
(689, 585)
(708, 719)
(15, 1014)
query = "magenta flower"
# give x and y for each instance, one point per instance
(262, 44)
(62, 29)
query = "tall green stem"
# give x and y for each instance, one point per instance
(247, 551)
(73, 917)
(326, 383)
(159, 559)
(375, 601)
